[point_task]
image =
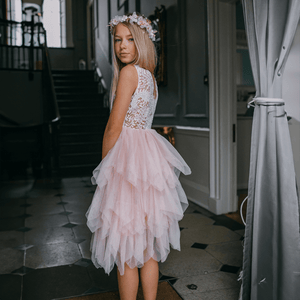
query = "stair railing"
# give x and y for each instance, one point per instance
(23, 46)
(102, 87)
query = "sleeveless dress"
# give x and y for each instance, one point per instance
(139, 200)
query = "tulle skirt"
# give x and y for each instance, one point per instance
(138, 201)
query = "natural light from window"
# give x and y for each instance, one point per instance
(51, 21)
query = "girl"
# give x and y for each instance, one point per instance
(139, 200)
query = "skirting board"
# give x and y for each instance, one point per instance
(196, 193)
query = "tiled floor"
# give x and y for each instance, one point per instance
(44, 246)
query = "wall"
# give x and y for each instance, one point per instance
(291, 96)
(24, 103)
(184, 101)
(62, 59)
(193, 145)
(76, 26)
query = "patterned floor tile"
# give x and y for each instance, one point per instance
(62, 203)
(11, 259)
(227, 222)
(77, 241)
(8, 224)
(49, 235)
(24, 229)
(43, 221)
(230, 253)
(65, 213)
(22, 271)
(24, 247)
(230, 269)
(84, 248)
(11, 239)
(199, 246)
(50, 255)
(204, 283)
(189, 261)
(45, 209)
(210, 234)
(69, 225)
(83, 262)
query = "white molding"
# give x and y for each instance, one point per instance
(164, 115)
(197, 193)
(194, 115)
(192, 128)
(222, 111)
(192, 131)
(213, 66)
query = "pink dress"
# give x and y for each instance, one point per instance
(139, 200)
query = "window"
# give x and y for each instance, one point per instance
(54, 20)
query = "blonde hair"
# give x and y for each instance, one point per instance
(146, 54)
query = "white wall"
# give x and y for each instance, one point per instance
(291, 95)
(193, 146)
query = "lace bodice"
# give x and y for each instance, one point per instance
(143, 103)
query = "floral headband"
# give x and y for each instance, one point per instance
(143, 22)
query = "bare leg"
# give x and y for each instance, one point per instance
(128, 283)
(149, 279)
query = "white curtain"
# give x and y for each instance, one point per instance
(271, 265)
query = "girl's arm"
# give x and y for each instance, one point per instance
(127, 84)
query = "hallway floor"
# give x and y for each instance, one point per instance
(44, 246)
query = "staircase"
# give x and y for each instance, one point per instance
(83, 121)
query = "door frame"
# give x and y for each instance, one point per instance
(222, 106)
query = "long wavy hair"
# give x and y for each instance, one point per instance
(146, 54)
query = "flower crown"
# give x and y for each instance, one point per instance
(141, 21)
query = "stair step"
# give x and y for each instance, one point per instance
(74, 111)
(80, 103)
(80, 137)
(75, 83)
(68, 148)
(80, 159)
(80, 128)
(70, 96)
(76, 89)
(56, 72)
(82, 119)
(73, 76)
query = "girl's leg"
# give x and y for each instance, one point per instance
(128, 283)
(149, 278)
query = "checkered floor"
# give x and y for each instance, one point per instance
(44, 246)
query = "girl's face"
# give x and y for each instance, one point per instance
(125, 48)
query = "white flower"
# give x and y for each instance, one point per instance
(143, 22)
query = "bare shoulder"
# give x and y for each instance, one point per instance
(129, 74)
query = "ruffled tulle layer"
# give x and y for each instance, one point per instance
(138, 201)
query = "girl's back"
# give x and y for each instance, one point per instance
(143, 102)
(139, 200)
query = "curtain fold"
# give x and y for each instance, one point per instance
(271, 263)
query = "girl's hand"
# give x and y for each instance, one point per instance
(127, 84)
